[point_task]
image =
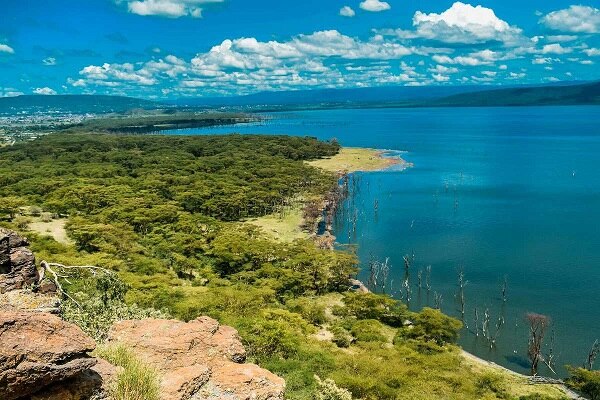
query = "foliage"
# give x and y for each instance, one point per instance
(341, 337)
(374, 306)
(100, 304)
(137, 381)
(584, 381)
(328, 390)
(368, 330)
(431, 325)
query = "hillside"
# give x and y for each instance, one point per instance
(581, 94)
(75, 104)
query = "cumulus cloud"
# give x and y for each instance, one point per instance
(4, 48)
(50, 61)
(483, 57)
(375, 5)
(464, 23)
(575, 19)
(592, 52)
(10, 92)
(555, 48)
(167, 8)
(347, 11)
(44, 91)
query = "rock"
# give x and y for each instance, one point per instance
(200, 359)
(38, 350)
(26, 300)
(17, 262)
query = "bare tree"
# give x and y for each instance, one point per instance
(591, 358)
(538, 325)
(504, 289)
(428, 278)
(437, 300)
(461, 292)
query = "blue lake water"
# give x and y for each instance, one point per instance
(495, 192)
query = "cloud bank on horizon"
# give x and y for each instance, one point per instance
(357, 46)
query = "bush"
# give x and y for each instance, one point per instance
(432, 325)
(584, 381)
(373, 306)
(491, 382)
(328, 390)
(137, 381)
(309, 309)
(341, 337)
(368, 330)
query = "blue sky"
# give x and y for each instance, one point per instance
(176, 48)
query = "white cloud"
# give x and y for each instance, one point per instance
(4, 48)
(483, 57)
(463, 23)
(517, 75)
(576, 19)
(592, 52)
(490, 74)
(10, 92)
(44, 91)
(440, 77)
(347, 11)
(375, 5)
(442, 69)
(49, 61)
(555, 48)
(167, 8)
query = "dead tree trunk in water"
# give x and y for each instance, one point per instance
(538, 325)
(504, 289)
(461, 292)
(591, 358)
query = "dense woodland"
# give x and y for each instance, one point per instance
(166, 213)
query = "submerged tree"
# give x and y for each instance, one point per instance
(591, 358)
(538, 325)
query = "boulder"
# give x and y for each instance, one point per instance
(17, 262)
(38, 350)
(200, 359)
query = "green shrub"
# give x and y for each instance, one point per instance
(373, 306)
(584, 381)
(309, 309)
(432, 325)
(328, 390)
(341, 337)
(137, 381)
(368, 330)
(491, 382)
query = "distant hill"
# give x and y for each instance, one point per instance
(387, 95)
(76, 104)
(580, 94)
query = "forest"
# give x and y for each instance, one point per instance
(167, 214)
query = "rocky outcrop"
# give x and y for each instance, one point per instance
(17, 262)
(38, 350)
(200, 359)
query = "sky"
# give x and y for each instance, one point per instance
(161, 49)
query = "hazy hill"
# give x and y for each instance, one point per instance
(588, 93)
(337, 97)
(77, 104)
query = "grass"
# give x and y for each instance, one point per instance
(54, 228)
(137, 381)
(352, 159)
(284, 226)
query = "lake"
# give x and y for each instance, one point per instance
(495, 193)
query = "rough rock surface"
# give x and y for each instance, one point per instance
(200, 359)
(17, 262)
(38, 350)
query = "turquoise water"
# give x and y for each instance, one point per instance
(495, 192)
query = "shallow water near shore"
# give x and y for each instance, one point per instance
(495, 192)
